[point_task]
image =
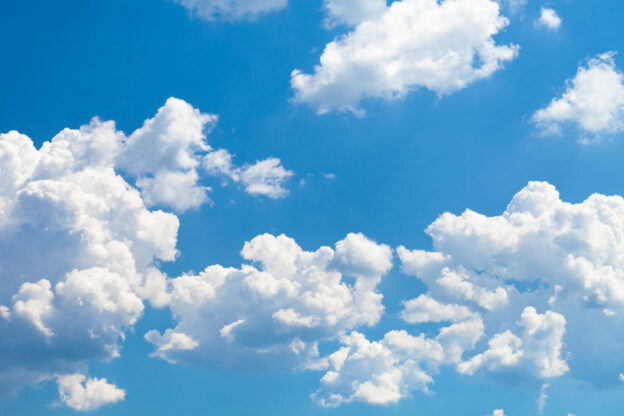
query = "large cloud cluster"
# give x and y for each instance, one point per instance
(79, 241)
(528, 295)
(273, 311)
(410, 44)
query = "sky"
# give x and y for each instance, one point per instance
(322, 207)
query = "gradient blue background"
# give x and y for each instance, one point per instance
(397, 168)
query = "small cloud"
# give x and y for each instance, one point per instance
(329, 175)
(548, 19)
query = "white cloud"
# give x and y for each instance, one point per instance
(543, 397)
(164, 155)
(353, 12)
(385, 371)
(497, 412)
(426, 309)
(412, 44)
(548, 19)
(264, 178)
(273, 311)
(232, 9)
(537, 352)
(593, 101)
(561, 267)
(82, 394)
(69, 197)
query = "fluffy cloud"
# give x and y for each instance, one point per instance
(263, 178)
(548, 19)
(411, 44)
(80, 393)
(497, 412)
(232, 9)
(383, 372)
(274, 310)
(561, 268)
(592, 102)
(164, 155)
(69, 196)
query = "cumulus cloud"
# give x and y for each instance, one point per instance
(274, 310)
(82, 394)
(76, 194)
(548, 19)
(164, 155)
(232, 9)
(441, 46)
(593, 101)
(497, 412)
(560, 266)
(385, 371)
(263, 178)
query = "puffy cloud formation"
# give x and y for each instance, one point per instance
(232, 9)
(91, 237)
(497, 412)
(274, 310)
(80, 393)
(265, 177)
(79, 243)
(167, 155)
(548, 19)
(593, 101)
(525, 295)
(560, 267)
(164, 155)
(383, 372)
(441, 46)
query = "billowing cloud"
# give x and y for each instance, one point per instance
(383, 372)
(82, 394)
(93, 236)
(232, 9)
(274, 310)
(561, 268)
(548, 19)
(411, 44)
(593, 101)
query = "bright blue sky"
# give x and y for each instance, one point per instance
(397, 168)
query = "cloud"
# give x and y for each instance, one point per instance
(385, 371)
(593, 101)
(263, 178)
(231, 9)
(548, 19)
(353, 12)
(426, 309)
(76, 194)
(273, 311)
(543, 398)
(497, 412)
(408, 45)
(164, 155)
(561, 268)
(82, 394)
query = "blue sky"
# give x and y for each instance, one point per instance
(367, 176)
